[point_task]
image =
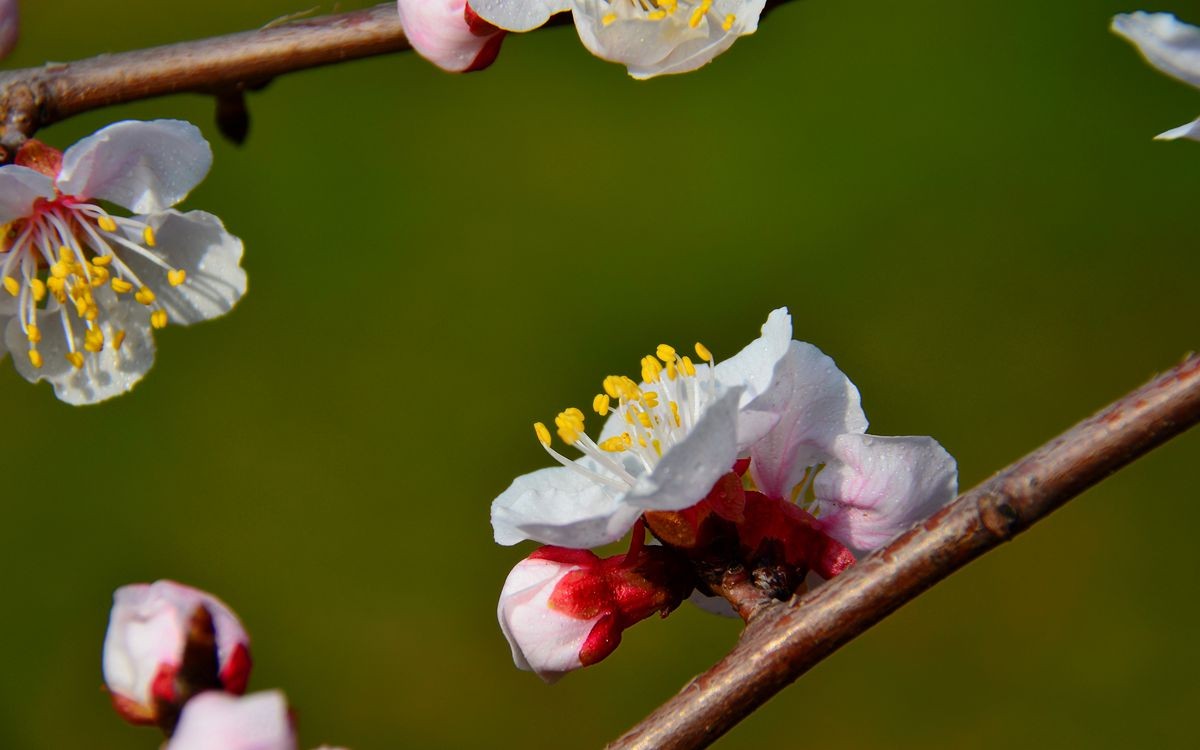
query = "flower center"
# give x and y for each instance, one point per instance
(66, 251)
(658, 414)
(691, 11)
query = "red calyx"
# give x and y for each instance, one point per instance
(39, 157)
(236, 672)
(697, 526)
(778, 527)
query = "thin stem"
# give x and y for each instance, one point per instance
(787, 639)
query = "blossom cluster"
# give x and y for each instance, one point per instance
(179, 658)
(761, 460)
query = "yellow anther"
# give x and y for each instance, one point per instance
(176, 276)
(728, 22)
(58, 287)
(158, 318)
(685, 364)
(35, 358)
(608, 19)
(675, 414)
(12, 286)
(117, 339)
(107, 224)
(703, 353)
(543, 435)
(615, 444)
(650, 399)
(610, 386)
(698, 13)
(657, 446)
(651, 369)
(601, 403)
(144, 295)
(657, 15)
(666, 353)
(672, 371)
(120, 286)
(93, 340)
(148, 237)
(644, 418)
(76, 359)
(670, 5)
(60, 270)
(570, 425)
(35, 334)
(629, 415)
(39, 289)
(642, 441)
(99, 275)
(574, 414)
(66, 254)
(91, 313)
(102, 260)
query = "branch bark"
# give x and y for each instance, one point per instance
(784, 640)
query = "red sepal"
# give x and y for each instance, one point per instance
(236, 672)
(772, 524)
(693, 527)
(39, 157)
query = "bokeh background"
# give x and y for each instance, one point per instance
(960, 202)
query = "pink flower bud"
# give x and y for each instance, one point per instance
(449, 34)
(220, 721)
(150, 631)
(562, 609)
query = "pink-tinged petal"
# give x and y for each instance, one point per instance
(147, 634)
(144, 166)
(518, 15)
(1166, 42)
(1190, 131)
(219, 721)
(104, 375)
(876, 487)
(197, 243)
(561, 507)
(543, 639)
(10, 26)
(815, 402)
(690, 468)
(19, 188)
(439, 31)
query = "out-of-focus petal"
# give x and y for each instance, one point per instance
(19, 188)
(1190, 131)
(144, 166)
(219, 721)
(1166, 42)
(518, 15)
(877, 487)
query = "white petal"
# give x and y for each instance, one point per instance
(689, 469)
(144, 166)
(1167, 43)
(438, 31)
(104, 375)
(879, 486)
(815, 402)
(195, 242)
(518, 15)
(19, 188)
(559, 506)
(219, 721)
(753, 368)
(714, 605)
(1191, 131)
(542, 639)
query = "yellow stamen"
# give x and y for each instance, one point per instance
(650, 399)
(698, 13)
(616, 444)
(729, 21)
(39, 289)
(91, 313)
(644, 418)
(93, 340)
(672, 371)
(120, 286)
(657, 447)
(107, 224)
(703, 353)
(651, 369)
(117, 339)
(176, 276)
(600, 404)
(543, 435)
(657, 15)
(685, 364)
(35, 334)
(35, 358)
(158, 318)
(102, 260)
(675, 413)
(76, 359)
(148, 236)
(608, 19)
(666, 353)
(60, 270)
(12, 286)
(99, 275)
(570, 425)
(144, 295)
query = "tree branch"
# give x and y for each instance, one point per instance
(788, 638)
(33, 98)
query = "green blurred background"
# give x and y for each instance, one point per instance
(960, 202)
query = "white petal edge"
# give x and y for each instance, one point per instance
(753, 368)
(144, 166)
(19, 188)
(1190, 131)
(561, 507)
(195, 242)
(1166, 42)
(879, 486)
(518, 15)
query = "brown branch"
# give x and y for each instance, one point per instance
(33, 98)
(787, 639)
